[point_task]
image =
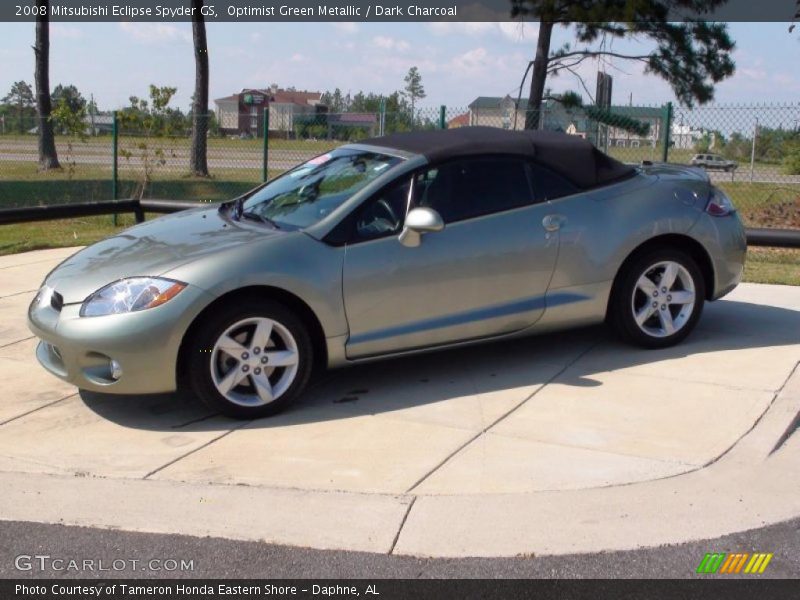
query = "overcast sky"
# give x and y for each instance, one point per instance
(458, 61)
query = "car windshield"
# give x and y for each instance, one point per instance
(311, 191)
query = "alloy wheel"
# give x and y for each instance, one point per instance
(663, 299)
(254, 361)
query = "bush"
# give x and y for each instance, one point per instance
(791, 162)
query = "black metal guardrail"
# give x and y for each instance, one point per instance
(26, 214)
(775, 238)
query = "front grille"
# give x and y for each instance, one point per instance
(57, 301)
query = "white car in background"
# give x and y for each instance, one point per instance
(714, 161)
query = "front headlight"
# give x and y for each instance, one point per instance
(130, 295)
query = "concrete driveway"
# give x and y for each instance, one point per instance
(562, 443)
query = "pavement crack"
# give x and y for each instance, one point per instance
(402, 524)
(795, 423)
(200, 447)
(17, 294)
(500, 418)
(755, 424)
(16, 342)
(37, 409)
(196, 420)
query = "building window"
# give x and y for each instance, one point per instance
(253, 117)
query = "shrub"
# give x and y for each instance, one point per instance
(791, 162)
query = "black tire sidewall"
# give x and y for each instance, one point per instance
(622, 318)
(198, 360)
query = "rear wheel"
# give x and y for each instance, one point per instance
(658, 300)
(250, 360)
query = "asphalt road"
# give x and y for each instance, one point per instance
(220, 558)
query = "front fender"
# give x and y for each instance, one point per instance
(295, 263)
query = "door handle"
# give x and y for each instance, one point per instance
(553, 222)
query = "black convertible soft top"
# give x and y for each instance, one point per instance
(569, 155)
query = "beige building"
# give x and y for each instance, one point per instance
(498, 112)
(243, 113)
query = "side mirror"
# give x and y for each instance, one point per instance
(418, 221)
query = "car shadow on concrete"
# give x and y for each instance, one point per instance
(572, 357)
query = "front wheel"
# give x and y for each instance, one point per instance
(658, 299)
(250, 359)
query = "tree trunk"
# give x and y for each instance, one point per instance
(48, 159)
(533, 115)
(199, 154)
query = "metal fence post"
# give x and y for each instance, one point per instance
(753, 150)
(442, 117)
(382, 118)
(264, 167)
(667, 127)
(114, 154)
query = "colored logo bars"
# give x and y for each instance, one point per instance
(731, 564)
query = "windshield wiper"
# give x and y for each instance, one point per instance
(254, 216)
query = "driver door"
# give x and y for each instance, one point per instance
(485, 274)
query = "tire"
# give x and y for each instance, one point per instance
(661, 323)
(231, 360)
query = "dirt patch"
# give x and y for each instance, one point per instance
(781, 215)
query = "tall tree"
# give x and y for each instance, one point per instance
(48, 159)
(71, 96)
(414, 89)
(690, 55)
(21, 98)
(68, 105)
(199, 154)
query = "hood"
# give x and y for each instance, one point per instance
(151, 248)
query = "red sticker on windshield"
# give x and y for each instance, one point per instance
(319, 160)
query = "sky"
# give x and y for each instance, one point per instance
(458, 61)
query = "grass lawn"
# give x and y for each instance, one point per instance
(22, 185)
(59, 234)
(773, 265)
(105, 141)
(752, 199)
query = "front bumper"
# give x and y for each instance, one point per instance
(144, 344)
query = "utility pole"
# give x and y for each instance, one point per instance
(91, 114)
(753, 150)
(382, 117)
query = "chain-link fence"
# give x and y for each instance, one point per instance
(753, 152)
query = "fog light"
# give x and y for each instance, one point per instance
(116, 370)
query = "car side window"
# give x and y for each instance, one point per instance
(470, 188)
(549, 185)
(385, 213)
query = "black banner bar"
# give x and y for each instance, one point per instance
(341, 10)
(618, 589)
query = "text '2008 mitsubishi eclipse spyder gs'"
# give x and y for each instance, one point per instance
(394, 245)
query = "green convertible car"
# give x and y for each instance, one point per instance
(394, 245)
